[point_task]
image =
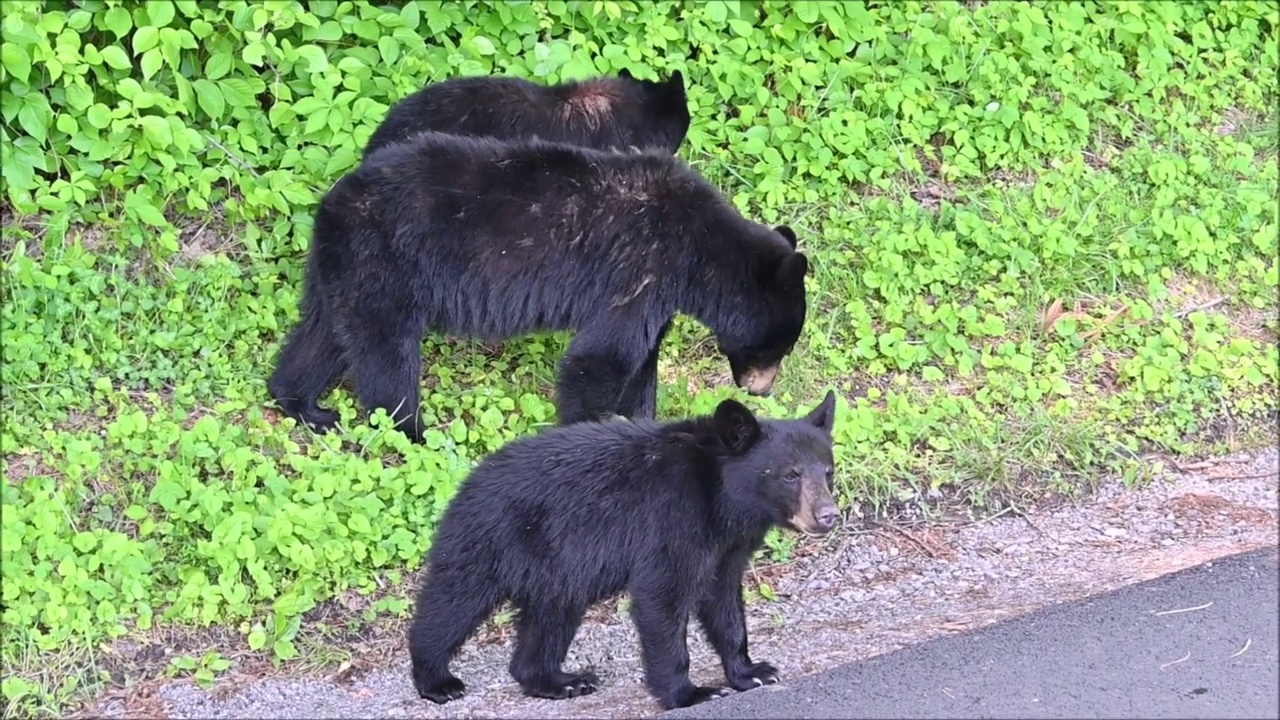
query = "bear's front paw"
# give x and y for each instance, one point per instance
(754, 676)
(450, 688)
(697, 695)
(579, 685)
(564, 686)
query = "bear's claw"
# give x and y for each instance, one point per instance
(758, 675)
(443, 691)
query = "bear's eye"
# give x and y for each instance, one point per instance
(791, 476)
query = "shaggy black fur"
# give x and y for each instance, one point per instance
(671, 513)
(494, 239)
(603, 112)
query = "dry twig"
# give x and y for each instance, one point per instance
(1182, 610)
(1184, 658)
(1202, 306)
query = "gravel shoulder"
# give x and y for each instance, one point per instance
(861, 595)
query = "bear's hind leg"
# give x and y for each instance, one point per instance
(310, 360)
(442, 622)
(543, 636)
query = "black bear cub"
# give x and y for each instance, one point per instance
(670, 513)
(601, 112)
(495, 239)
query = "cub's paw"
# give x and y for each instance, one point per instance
(565, 686)
(697, 695)
(441, 691)
(761, 673)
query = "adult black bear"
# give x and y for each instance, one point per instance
(494, 239)
(600, 112)
(671, 513)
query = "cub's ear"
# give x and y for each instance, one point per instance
(789, 275)
(823, 417)
(787, 234)
(625, 74)
(736, 426)
(676, 82)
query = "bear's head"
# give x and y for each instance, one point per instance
(660, 107)
(770, 324)
(782, 468)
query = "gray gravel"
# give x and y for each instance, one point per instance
(864, 594)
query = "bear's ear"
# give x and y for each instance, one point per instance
(736, 426)
(789, 275)
(823, 417)
(672, 89)
(787, 234)
(625, 74)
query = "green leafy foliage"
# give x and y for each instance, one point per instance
(952, 168)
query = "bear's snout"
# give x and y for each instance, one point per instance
(758, 381)
(817, 513)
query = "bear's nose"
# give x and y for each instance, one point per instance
(826, 518)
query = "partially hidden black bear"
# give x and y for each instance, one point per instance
(493, 239)
(601, 112)
(670, 513)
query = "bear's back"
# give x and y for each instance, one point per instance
(609, 474)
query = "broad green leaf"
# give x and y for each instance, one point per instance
(716, 11)
(217, 66)
(409, 14)
(34, 120)
(237, 92)
(67, 124)
(257, 638)
(157, 130)
(99, 116)
(253, 53)
(145, 38)
(19, 176)
(209, 97)
(115, 57)
(152, 61)
(389, 49)
(160, 11)
(317, 60)
(16, 60)
(484, 45)
(118, 21)
(359, 523)
(84, 541)
(316, 120)
(79, 96)
(284, 649)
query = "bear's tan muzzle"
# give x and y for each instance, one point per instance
(817, 513)
(759, 381)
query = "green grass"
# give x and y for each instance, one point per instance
(154, 496)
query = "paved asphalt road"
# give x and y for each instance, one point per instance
(1110, 656)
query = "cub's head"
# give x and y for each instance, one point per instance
(786, 465)
(769, 322)
(655, 111)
